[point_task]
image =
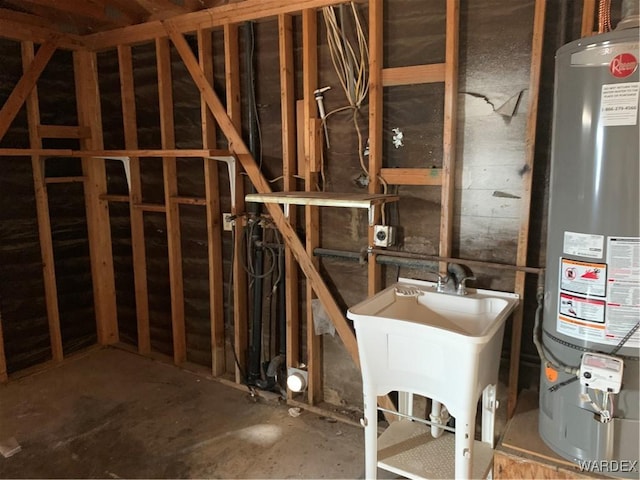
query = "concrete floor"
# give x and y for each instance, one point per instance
(113, 414)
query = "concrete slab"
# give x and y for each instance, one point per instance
(114, 414)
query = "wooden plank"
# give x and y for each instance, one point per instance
(28, 152)
(414, 74)
(3, 360)
(323, 199)
(525, 204)
(262, 186)
(139, 259)
(168, 152)
(63, 131)
(312, 215)
(233, 113)
(588, 18)
(412, 176)
(300, 135)
(289, 170)
(447, 194)
(231, 13)
(170, 175)
(42, 214)
(27, 32)
(115, 198)
(212, 200)
(98, 225)
(25, 85)
(189, 200)
(76, 179)
(151, 207)
(376, 63)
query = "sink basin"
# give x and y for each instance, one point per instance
(477, 314)
(445, 347)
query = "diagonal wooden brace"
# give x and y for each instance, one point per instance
(25, 85)
(239, 148)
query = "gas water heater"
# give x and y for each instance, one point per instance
(589, 405)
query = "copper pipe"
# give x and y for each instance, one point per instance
(604, 16)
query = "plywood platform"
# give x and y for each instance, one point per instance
(523, 454)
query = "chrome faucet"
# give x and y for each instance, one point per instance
(452, 285)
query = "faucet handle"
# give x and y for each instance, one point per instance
(442, 281)
(462, 286)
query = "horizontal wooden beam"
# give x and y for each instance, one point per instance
(150, 207)
(51, 152)
(412, 176)
(76, 179)
(190, 22)
(189, 200)
(115, 198)
(26, 32)
(23, 88)
(415, 74)
(63, 131)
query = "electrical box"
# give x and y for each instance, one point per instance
(227, 222)
(384, 235)
(601, 372)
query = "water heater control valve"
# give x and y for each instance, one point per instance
(601, 372)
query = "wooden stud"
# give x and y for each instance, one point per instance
(289, 170)
(189, 200)
(170, 174)
(233, 113)
(42, 213)
(415, 74)
(151, 207)
(138, 254)
(63, 131)
(212, 201)
(25, 85)
(115, 198)
(312, 215)
(588, 18)
(374, 270)
(262, 185)
(525, 204)
(449, 134)
(104, 292)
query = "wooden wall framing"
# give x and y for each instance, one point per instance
(298, 256)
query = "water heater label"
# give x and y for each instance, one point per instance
(583, 245)
(619, 104)
(583, 277)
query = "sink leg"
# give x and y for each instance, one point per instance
(465, 430)
(489, 406)
(370, 435)
(405, 403)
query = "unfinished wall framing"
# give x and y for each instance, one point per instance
(206, 48)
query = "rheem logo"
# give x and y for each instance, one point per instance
(623, 65)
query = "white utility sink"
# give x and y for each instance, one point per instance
(478, 314)
(413, 339)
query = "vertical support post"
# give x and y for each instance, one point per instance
(139, 259)
(85, 67)
(170, 174)
(3, 361)
(214, 235)
(289, 167)
(240, 299)
(449, 133)
(525, 205)
(312, 217)
(42, 212)
(375, 129)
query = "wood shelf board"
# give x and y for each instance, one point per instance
(323, 199)
(408, 449)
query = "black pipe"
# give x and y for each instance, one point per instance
(256, 323)
(282, 308)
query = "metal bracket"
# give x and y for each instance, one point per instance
(126, 164)
(231, 166)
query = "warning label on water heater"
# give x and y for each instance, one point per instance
(619, 104)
